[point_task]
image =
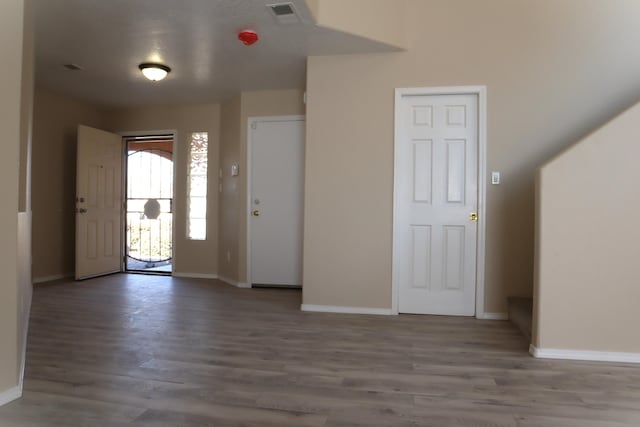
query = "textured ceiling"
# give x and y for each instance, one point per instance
(196, 38)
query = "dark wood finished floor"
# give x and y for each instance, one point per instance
(159, 351)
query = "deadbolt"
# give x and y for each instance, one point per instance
(256, 213)
(473, 216)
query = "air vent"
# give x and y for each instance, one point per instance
(284, 13)
(73, 67)
(282, 9)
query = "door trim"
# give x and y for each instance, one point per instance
(250, 122)
(125, 134)
(481, 92)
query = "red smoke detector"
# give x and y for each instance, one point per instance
(248, 37)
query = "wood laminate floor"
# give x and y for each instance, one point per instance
(132, 350)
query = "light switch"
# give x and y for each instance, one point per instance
(234, 169)
(495, 178)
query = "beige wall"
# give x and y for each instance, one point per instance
(554, 70)
(229, 208)
(234, 149)
(380, 20)
(11, 46)
(24, 265)
(26, 112)
(257, 104)
(587, 289)
(190, 256)
(313, 7)
(56, 120)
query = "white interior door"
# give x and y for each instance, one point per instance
(98, 202)
(276, 200)
(436, 197)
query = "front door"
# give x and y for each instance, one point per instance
(436, 201)
(149, 204)
(98, 202)
(276, 202)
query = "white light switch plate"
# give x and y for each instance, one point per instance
(495, 178)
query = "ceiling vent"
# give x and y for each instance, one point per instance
(284, 13)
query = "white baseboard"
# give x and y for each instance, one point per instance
(194, 275)
(593, 356)
(234, 283)
(25, 337)
(492, 316)
(347, 310)
(44, 279)
(10, 395)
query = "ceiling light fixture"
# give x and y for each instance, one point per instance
(154, 72)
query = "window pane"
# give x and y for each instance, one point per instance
(197, 207)
(197, 229)
(199, 142)
(198, 164)
(197, 186)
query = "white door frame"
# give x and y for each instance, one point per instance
(250, 122)
(481, 92)
(174, 206)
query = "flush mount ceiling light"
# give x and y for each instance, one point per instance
(154, 72)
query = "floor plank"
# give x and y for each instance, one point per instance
(134, 350)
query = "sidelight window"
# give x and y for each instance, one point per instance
(197, 186)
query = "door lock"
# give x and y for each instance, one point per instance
(256, 213)
(82, 210)
(473, 216)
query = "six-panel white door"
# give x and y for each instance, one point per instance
(436, 196)
(98, 203)
(277, 201)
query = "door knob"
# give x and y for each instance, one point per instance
(256, 213)
(473, 216)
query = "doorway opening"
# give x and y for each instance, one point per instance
(148, 225)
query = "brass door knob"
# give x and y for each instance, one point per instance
(256, 213)
(473, 216)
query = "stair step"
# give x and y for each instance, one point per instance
(521, 314)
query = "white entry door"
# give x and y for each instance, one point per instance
(98, 202)
(276, 200)
(436, 201)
